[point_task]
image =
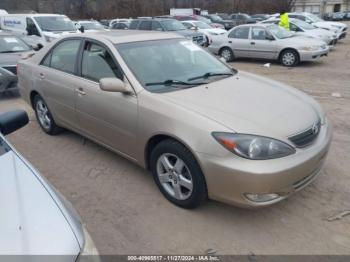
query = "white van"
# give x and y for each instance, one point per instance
(3, 12)
(37, 28)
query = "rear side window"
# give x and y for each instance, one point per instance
(240, 33)
(63, 56)
(97, 63)
(146, 25)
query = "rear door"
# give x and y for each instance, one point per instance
(108, 117)
(260, 46)
(56, 79)
(239, 41)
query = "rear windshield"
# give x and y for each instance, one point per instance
(55, 23)
(12, 44)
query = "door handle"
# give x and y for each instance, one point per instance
(80, 91)
(252, 43)
(41, 75)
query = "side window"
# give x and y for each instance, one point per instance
(240, 33)
(294, 28)
(146, 25)
(234, 17)
(119, 26)
(47, 60)
(31, 27)
(156, 26)
(63, 56)
(258, 33)
(134, 24)
(97, 63)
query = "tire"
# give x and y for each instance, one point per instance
(44, 117)
(181, 181)
(289, 58)
(227, 54)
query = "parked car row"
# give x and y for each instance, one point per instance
(337, 16)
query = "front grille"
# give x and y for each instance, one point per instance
(306, 137)
(12, 69)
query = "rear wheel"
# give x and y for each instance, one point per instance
(227, 54)
(289, 58)
(44, 117)
(177, 174)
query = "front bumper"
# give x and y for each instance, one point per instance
(313, 55)
(230, 178)
(8, 81)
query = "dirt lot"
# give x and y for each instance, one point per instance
(126, 214)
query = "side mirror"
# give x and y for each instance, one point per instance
(270, 37)
(12, 121)
(113, 85)
(82, 29)
(195, 28)
(38, 47)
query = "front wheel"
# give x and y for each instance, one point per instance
(289, 58)
(177, 174)
(227, 54)
(44, 117)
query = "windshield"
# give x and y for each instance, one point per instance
(315, 18)
(12, 44)
(173, 25)
(203, 19)
(92, 25)
(174, 60)
(55, 23)
(202, 25)
(225, 16)
(303, 25)
(280, 32)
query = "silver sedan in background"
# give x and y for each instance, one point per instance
(35, 219)
(302, 28)
(269, 41)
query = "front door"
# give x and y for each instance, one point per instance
(110, 118)
(260, 46)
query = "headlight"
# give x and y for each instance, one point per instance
(253, 147)
(89, 252)
(310, 48)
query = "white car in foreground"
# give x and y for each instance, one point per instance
(212, 34)
(35, 219)
(304, 29)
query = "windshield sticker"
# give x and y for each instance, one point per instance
(10, 40)
(190, 46)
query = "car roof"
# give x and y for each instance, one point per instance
(127, 36)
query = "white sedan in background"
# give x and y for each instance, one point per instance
(212, 34)
(308, 30)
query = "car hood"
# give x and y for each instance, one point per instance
(301, 40)
(188, 33)
(329, 25)
(249, 104)
(31, 223)
(10, 59)
(215, 31)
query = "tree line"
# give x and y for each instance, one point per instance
(99, 9)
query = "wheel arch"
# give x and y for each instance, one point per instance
(156, 139)
(288, 48)
(33, 94)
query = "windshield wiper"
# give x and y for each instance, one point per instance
(9, 51)
(207, 75)
(171, 82)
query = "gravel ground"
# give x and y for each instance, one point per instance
(126, 214)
